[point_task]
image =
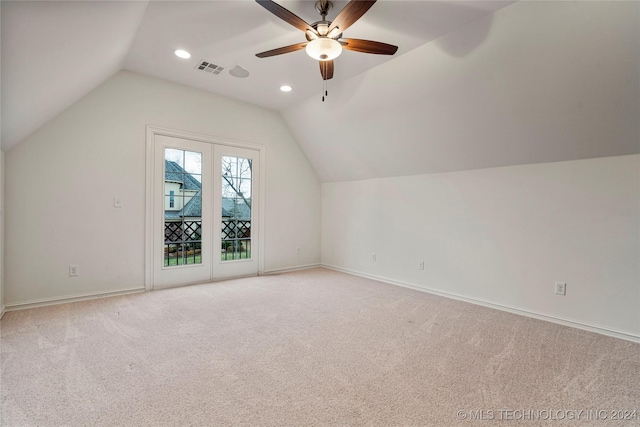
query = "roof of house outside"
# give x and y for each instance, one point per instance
(231, 207)
(176, 173)
(193, 206)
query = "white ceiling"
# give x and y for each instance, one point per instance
(54, 52)
(230, 33)
(534, 82)
(474, 83)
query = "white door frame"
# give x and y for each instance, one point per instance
(182, 273)
(150, 173)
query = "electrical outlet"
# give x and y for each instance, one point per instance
(74, 270)
(117, 202)
(374, 256)
(299, 251)
(421, 265)
(561, 288)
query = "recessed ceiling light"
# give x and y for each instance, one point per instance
(182, 54)
(285, 88)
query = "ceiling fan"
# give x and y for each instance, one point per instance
(324, 38)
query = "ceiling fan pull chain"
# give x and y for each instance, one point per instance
(324, 89)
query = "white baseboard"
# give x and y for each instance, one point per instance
(73, 298)
(222, 279)
(579, 325)
(89, 296)
(290, 269)
(2, 311)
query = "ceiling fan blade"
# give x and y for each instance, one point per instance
(281, 50)
(285, 15)
(350, 14)
(326, 69)
(368, 46)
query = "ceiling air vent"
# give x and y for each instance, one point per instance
(209, 67)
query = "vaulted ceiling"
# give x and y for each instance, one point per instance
(473, 84)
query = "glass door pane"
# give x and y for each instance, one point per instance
(182, 212)
(236, 202)
(182, 207)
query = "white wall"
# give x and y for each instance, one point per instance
(60, 184)
(1, 210)
(501, 236)
(1, 233)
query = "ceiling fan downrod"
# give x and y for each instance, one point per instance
(323, 7)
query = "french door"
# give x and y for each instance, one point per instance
(235, 252)
(205, 201)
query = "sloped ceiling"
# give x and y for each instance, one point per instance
(474, 84)
(533, 82)
(55, 52)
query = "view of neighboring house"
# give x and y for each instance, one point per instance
(183, 214)
(183, 194)
(183, 198)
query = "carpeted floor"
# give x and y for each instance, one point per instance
(313, 347)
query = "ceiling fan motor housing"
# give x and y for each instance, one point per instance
(317, 24)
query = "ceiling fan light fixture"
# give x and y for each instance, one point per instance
(333, 34)
(322, 29)
(323, 49)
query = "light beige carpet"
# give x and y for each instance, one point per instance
(307, 348)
